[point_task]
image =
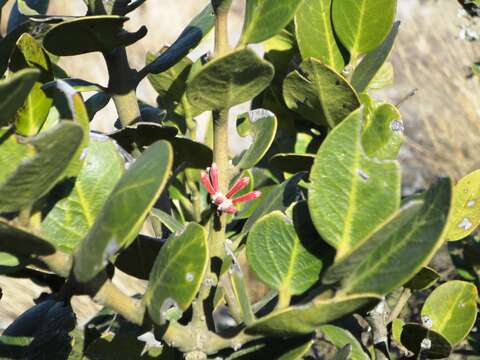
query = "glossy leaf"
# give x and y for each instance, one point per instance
(398, 249)
(278, 257)
(80, 36)
(124, 212)
(261, 125)
(466, 207)
(229, 80)
(451, 310)
(424, 279)
(190, 37)
(265, 18)
(31, 116)
(70, 220)
(315, 36)
(383, 132)
(35, 176)
(371, 64)
(319, 93)
(16, 240)
(305, 318)
(293, 163)
(362, 25)
(420, 340)
(341, 337)
(279, 198)
(14, 91)
(351, 194)
(178, 272)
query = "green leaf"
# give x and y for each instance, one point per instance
(124, 212)
(17, 240)
(451, 310)
(397, 328)
(190, 37)
(22, 9)
(293, 163)
(319, 93)
(89, 34)
(371, 64)
(305, 318)
(265, 18)
(14, 91)
(362, 25)
(278, 257)
(31, 116)
(351, 194)
(178, 272)
(398, 249)
(424, 279)
(465, 208)
(97, 102)
(280, 198)
(70, 220)
(383, 132)
(168, 220)
(435, 346)
(37, 175)
(341, 337)
(12, 152)
(229, 80)
(261, 125)
(315, 36)
(191, 153)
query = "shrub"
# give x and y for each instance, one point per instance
(314, 202)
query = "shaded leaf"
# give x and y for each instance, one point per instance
(351, 194)
(305, 318)
(229, 80)
(398, 249)
(37, 175)
(293, 163)
(279, 258)
(89, 34)
(341, 337)
(435, 346)
(14, 91)
(319, 93)
(265, 18)
(191, 153)
(178, 272)
(315, 36)
(16, 240)
(451, 310)
(362, 25)
(24, 8)
(71, 218)
(261, 125)
(371, 64)
(424, 279)
(124, 212)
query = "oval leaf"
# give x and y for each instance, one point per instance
(319, 93)
(429, 343)
(178, 272)
(278, 257)
(31, 116)
(265, 18)
(466, 207)
(341, 337)
(362, 25)
(261, 125)
(229, 80)
(305, 318)
(371, 64)
(398, 249)
(35, 176)
(350, 194)
(124, 212)
(70, 220)
(451, 310)
(89, 34)
(314, 31)
(425, 278)
(14, 91)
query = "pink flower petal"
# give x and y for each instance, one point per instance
(247, 197)
(239, 185)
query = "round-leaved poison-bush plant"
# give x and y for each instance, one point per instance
(312, 208)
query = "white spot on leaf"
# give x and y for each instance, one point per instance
(259, 114)
(471, 203)
(465, 224)
(397, 126)
(427, 322)
(189, 277)
(363, 175)
(426, 344)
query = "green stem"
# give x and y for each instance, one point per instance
(284, 297)
(123, 82)
(221, 8)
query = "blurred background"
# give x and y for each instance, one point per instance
(434, 59)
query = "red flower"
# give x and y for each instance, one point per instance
(225, 203)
